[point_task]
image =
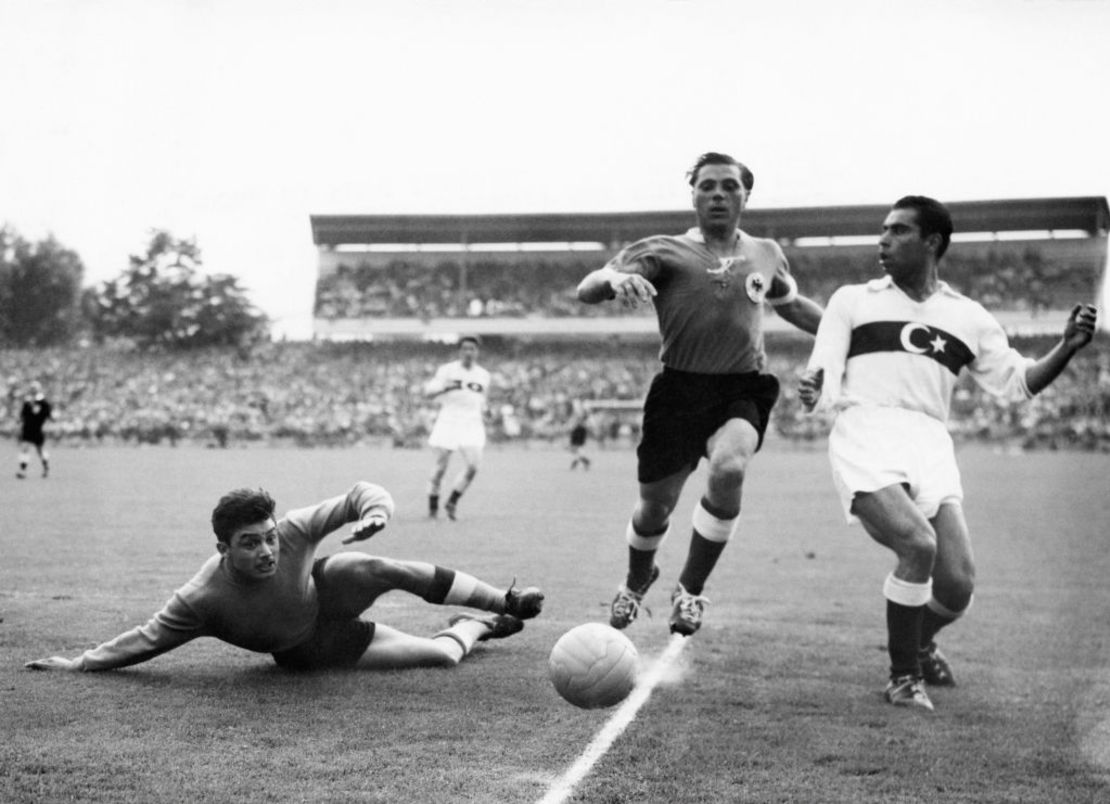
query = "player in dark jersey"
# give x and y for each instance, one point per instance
(886, 359)
(266, 591)
(712, 398)
(33, 416)
(579, 434)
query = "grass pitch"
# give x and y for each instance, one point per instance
(776, 699)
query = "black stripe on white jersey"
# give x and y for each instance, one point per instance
(911, 337)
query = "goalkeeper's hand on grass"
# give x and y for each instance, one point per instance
(54, 663)
(366, 527)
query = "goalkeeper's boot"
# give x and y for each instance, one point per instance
(523, 603)
(686, 611)
(908, 691)
(935, 668)
(500, 625)
(626, 604)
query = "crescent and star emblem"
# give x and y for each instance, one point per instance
(906, 337)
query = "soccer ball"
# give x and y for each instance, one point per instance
(593, 666)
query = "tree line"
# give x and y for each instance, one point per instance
(162, 299)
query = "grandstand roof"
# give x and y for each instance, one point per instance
(1086, 213)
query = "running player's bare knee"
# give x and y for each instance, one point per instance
(955, 589)
(955, 597)
(918, 547)
(652, 515)
(727, 471)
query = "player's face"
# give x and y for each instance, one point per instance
(468, 353)
(719, 197)
(903, 252)
(252, 550)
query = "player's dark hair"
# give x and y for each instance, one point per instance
(240, 508)
(933, 217)
(747, 178)
(470, 339)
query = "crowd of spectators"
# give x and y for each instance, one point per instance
(1020, 279)
(531, 288)
(320, 394)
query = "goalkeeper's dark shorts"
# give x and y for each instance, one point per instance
(684, 409)
(338, 640)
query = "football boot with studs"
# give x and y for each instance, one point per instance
(908, 691)
(686, 611)
(626, 605)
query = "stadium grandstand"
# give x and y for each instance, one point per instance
(393, 290)
(430, 277)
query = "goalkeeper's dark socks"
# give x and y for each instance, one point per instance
(454, 498)
(449, 587)
(433, 504)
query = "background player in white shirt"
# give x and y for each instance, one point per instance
(462, 387)
(886, 358)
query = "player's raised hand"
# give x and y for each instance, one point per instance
(1080, 328)
(367, 527)
(631, 290)
(53, 663)
(809, 387)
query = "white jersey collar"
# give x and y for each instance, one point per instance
(886, 282)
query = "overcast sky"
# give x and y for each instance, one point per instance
(232, 122)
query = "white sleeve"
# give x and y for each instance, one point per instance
(998, 368)
(438, 382)
(830, 347)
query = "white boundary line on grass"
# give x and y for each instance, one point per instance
(561, 790)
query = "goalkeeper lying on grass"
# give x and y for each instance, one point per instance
(266, 591)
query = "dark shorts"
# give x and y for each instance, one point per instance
(338, 640)
(38, 438)
(684, 409)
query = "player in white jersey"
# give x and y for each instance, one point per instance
(712, 399)
(886, 359)
(462, 388)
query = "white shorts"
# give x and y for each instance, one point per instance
(874, 447)
(452, 434)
